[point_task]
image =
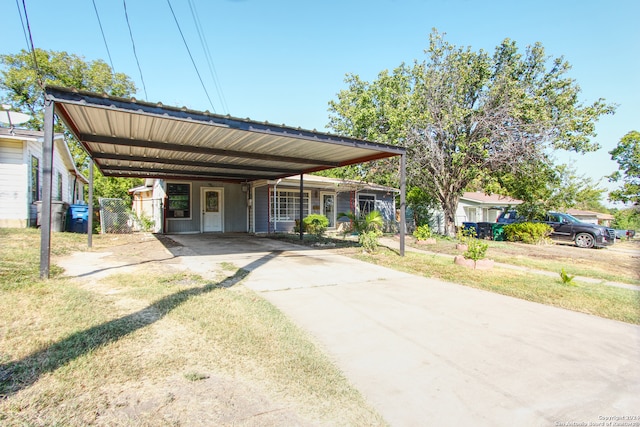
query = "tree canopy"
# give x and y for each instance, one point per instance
(22, 86)
(627, 155)
(464, 114)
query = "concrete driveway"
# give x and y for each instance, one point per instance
(427, 352)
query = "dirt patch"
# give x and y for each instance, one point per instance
(198, 395)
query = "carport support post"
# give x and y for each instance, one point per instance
(301, 206)
(47, 180)
(403, 200)
(90, 213)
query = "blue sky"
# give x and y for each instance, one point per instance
(283, 61)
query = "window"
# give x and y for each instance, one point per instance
(35, 179)
(179, 201)
(287, 205)
(366, 203)
(58, 187)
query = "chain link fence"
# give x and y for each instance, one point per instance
(116, 217)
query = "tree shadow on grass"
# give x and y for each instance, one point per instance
(20, 374)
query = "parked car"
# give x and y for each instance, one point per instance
(625, 234)
(569, 229)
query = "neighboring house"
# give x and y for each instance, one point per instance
(264, 206)
(481, 207)
(592, 217)
(21, 176)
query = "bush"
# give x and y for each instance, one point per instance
(369, 240)
(528, 232)
(316, 224)
(422, 232)
(477, 249)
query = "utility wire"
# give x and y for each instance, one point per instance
(33, 51)
(24, 29)
(134, 49)
(191, 56)
(103, 37)
(207, 52)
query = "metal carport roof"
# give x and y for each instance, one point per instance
(130, 138)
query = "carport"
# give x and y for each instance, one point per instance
(134, 139)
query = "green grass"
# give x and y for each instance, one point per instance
(597, 299)
(69, 352)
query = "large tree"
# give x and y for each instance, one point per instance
(544, 186)
(627, 154)
(464, 114)
(22, 83)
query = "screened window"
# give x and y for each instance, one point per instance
(35, 179)
(366, 203)
(58, 186)
(179, 200)
(286, 206)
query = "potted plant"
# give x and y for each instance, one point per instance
(423, 235)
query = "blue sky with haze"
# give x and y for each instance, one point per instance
(283, 61)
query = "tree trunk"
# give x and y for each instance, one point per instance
(449, 206)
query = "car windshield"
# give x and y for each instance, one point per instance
(570, 218)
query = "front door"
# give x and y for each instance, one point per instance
(212, 209)
(328, 202)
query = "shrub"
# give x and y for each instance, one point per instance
(369, 240)
(465, 235)
(316, 224)
(527, 232)
(422, 232)
(476, 250)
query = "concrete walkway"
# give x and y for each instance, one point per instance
(427, 352)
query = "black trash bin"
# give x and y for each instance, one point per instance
(485, 230)
(58, 214)
(78, 218)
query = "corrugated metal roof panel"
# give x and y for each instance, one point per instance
(131, 138)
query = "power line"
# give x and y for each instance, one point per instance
(191, 56)
(103, 37)
(24, 30)
(207, 52)
(33, 51)
(134, 49)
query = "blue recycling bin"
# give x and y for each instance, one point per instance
(78, 218)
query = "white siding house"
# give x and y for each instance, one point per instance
(21, 176)
(481, 207)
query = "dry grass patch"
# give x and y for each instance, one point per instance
(157, 347)
(609, 264)
(600, 300)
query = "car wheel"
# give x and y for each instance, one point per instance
(585, 240)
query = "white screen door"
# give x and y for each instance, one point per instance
(328, 202)
(212, 209)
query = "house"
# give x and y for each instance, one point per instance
(592, 217)
(480, 207)
(21, 175)
(261, 206)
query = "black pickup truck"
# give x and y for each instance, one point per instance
(570, 229)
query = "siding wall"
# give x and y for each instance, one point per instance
(235, 209)
(13, 185)
(384, 203)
